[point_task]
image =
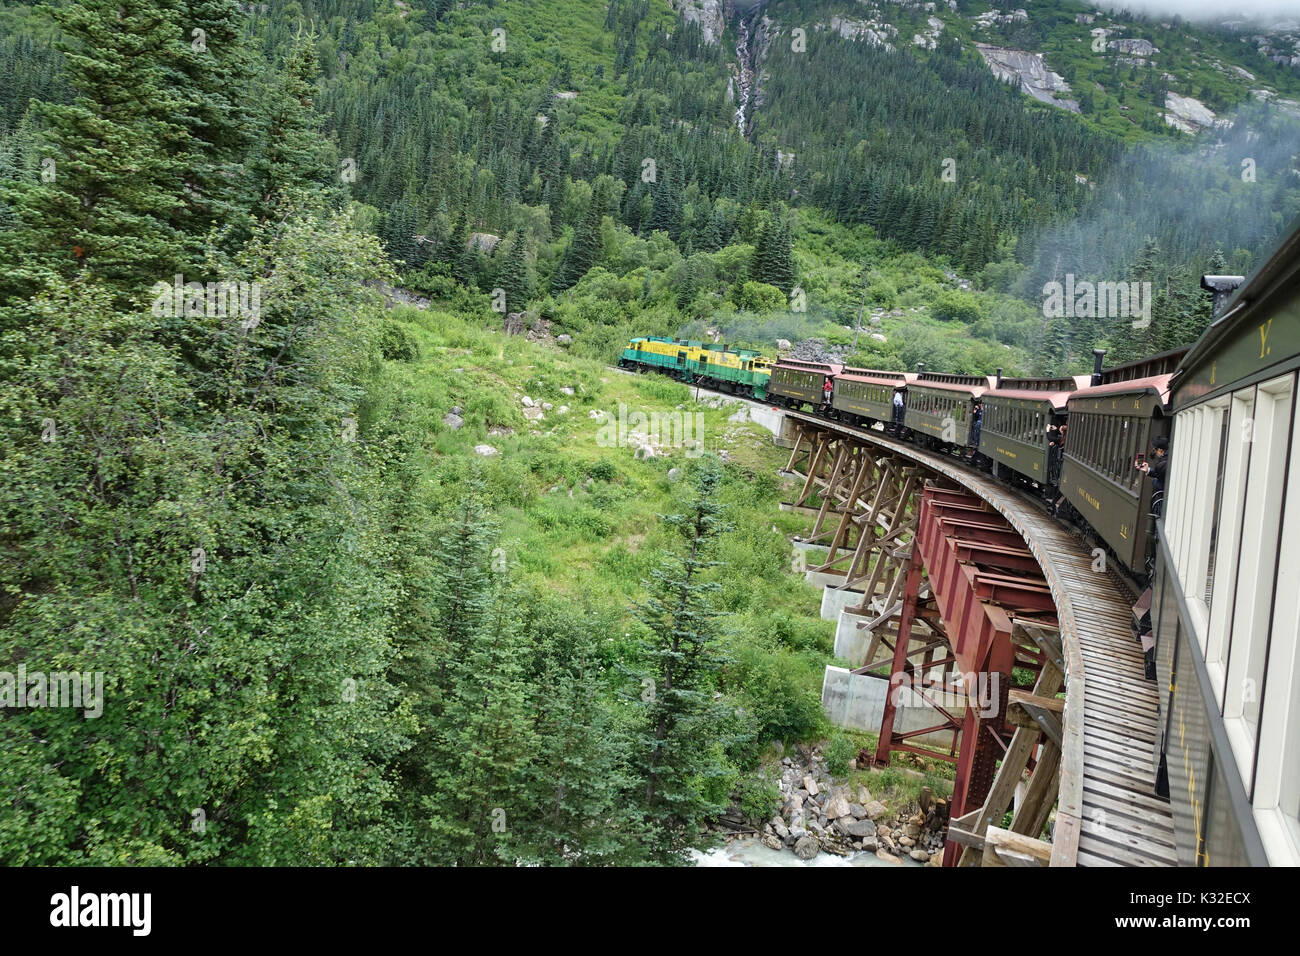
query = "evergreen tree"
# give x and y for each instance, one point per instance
(113, 200)
(680, 760)
(585, 247)
(577, 775)
(514, 275)
(294, 154)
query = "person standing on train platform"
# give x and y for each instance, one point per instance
(898, 410)
(977, 419)
(1155, 470)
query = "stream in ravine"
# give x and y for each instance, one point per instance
(749, 852)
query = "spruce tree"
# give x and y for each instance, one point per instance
(576, 777)
(513, 275)
(680, 758)
(111, 205)
(294, 156)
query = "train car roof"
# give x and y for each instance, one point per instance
(825, 368)
(1054, 390)
(1157, 385)
(973, 385)
(1153, 366)
(873, 376)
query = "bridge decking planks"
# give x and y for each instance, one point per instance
(1123, 822)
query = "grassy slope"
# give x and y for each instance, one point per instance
(580, 519)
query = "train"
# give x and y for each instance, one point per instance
(1013, 428)
(1225, 603)
(1211, 539)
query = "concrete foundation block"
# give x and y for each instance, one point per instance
(857, 702)
(835, 600)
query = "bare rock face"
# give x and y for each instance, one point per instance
(877, 34)
(1035, 78)
(708, 14)
(1187, 113)
(483, 242)
(1132, 46)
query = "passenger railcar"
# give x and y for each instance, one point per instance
(1020, 416)
(864, 396)
(794, 382)
(940, 407)
(1226, 593)
(1110, 425)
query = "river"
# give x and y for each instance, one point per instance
(749, 852)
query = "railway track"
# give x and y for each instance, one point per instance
(1107, 812)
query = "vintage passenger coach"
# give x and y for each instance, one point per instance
(1227, 590)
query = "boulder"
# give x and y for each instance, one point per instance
(920, 856)
(547, 406)
(534, 413)
(806, 848)
(857, 810)
(483, 242)
(810, 785)
(456, 409)
(783, 344)
(566, 390)
(674, 474)
(906, 841)
(527, 402)
(771, 842)
(864, 796)
(487, 451)
(837, 807)
(779, 828)
(887, 857)
(562, 410)
(858, 828)
(454, 422)
(564, 339)
(875, 809)
(870, 844)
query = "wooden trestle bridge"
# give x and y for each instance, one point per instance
(1003, 586)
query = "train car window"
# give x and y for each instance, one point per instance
(1248, 642)
(1277, 784)
(1228, 537)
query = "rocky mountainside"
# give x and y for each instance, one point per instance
(1122, 72)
